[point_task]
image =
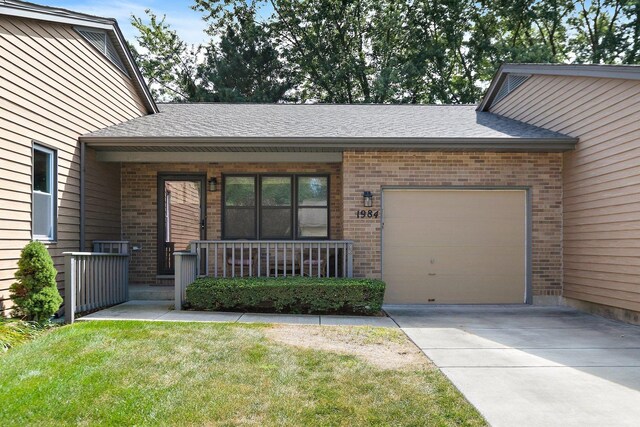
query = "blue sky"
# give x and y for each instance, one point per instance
(187, 23)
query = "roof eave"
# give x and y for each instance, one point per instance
(492, 91)
(559, 144)
(64, 16)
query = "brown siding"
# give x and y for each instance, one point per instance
(101, 200)
(542, 172)
(601, 179)
(54, 87)
(140, 208)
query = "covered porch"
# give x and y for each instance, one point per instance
(101, 278)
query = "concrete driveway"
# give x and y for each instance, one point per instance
(533, 366)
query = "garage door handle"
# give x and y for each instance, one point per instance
(432, 274)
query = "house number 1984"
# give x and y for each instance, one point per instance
(367, 214)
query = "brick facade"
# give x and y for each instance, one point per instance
(542, 172)
(360, 171)
(140, 204)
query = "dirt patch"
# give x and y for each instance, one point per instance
(384, 348)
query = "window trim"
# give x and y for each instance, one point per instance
(44, 148)
(294, 204)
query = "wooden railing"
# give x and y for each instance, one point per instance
(111, 246)
(186, 264)
(93, 281)
(274, 258)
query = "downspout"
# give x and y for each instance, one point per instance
(82, 172)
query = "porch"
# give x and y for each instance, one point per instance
(100, 279)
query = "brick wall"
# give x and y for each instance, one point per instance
(542, 172)
(140, 205)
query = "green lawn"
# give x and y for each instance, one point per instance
(153, 373)
(15, 332)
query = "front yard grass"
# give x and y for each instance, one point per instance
(162, 373)
(14, 332)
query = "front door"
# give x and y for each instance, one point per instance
(181, 216)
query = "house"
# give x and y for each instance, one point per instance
(529, 197)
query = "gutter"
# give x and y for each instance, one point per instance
(554, 144)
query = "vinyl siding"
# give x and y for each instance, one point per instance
(601, 201)
(101, 200)
(54, 86)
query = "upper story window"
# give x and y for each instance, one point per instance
(278, 207)
(101, 41)
(44, 194)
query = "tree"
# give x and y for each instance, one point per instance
(387, 51)
(245, 65)
(600, 34)
(168, 64)
(35, 292)
(631, 11)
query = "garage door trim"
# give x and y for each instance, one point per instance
(528, 213)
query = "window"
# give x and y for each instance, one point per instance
(44, 193)
(276, 214)
(240, 207)
(276, 207)
(313, 207)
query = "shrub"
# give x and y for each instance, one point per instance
(35, 293)
(290, 294)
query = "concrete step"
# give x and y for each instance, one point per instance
(150, 292)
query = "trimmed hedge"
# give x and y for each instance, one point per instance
(287, 294)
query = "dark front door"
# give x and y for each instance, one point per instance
(181, 216)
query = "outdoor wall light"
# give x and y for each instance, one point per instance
(367, 199)
(213, 183)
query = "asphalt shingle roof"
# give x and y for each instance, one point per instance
(229, 121)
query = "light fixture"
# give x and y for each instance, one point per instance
(368, 199)
(213, 183)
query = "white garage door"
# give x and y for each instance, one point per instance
(454, 246)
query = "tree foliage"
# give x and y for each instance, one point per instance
(35, 291)
(377, 51)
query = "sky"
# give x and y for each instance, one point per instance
(185, 21)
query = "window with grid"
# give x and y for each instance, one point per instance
(276, 207)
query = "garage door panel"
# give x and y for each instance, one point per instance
(456, 290)
(449, 232)
(453, 204)
(454, 246)
(451, 260)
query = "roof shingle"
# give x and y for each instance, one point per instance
(322, 121)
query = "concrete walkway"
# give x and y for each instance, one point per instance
(163, 311)
(533, 366)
